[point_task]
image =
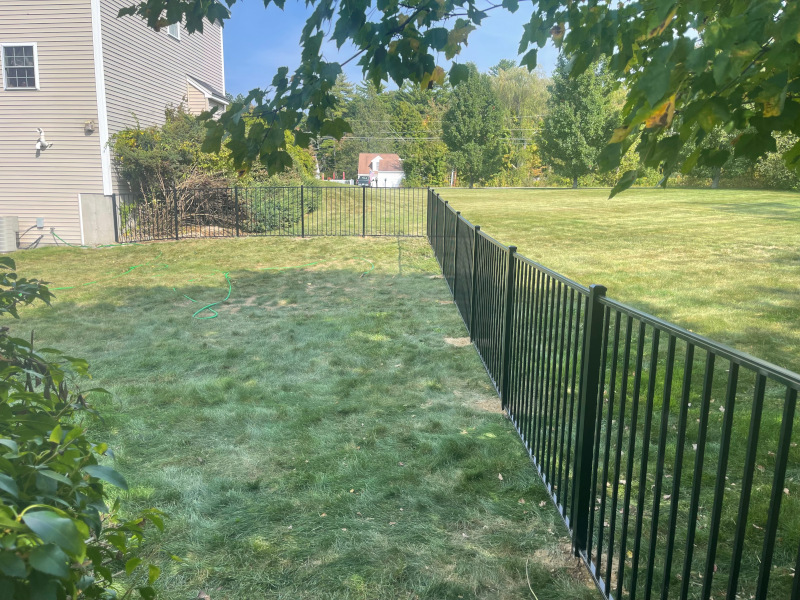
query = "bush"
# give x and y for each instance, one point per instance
(58, 536)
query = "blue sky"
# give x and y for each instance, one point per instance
(259, 40)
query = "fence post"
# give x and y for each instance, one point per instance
(428, 211)
(434, 230)
(236, 207)
(115, 210)
(363, 211)
(302, 214)
(455, 255)
(473, 299)
(587, 414)
(505, 360)
(177, 230)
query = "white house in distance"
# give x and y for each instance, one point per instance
(383, 170)
(80, 74)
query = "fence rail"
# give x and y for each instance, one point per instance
(275, 211)
(672, 458)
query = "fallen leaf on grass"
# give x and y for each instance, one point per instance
(500, 476)
(521, 500)
(542, 503)
(323, 515)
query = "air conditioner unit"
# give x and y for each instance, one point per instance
(9, 233)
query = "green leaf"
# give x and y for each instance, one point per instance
(656, 84)
(153, 573)
(437, 37)
(458, 73)
(54, 529)
(713, 157)
(530, 59)
(10, 444)
(131, 565)
(56, 434)
(12, 565)
(51, 560)
(107, 474)
(754, 145)
(626, 181)
(335, 128)
(147, 593)
(55, 476)
(8, 484)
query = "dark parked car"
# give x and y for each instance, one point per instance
(363, 180)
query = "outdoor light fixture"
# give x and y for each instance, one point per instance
(88, 127)
(41, 143)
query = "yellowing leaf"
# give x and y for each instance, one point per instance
(620, 133)
(772, 109)
(660, 28)
(662, 115)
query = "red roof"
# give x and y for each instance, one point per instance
(388, 163)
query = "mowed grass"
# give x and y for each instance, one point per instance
(326, 436)
(723, 263)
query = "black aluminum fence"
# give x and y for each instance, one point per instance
(273, 211)
(670, 457)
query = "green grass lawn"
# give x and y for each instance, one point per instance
(326, 436)
(723, 263)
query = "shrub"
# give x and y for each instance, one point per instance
(58, 536)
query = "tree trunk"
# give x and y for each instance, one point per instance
(575, 183)
(471, 182)
(715, 173)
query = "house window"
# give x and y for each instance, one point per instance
(20, 71)
(174, 30)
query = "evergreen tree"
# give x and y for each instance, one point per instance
(579, 121)
(472, 128)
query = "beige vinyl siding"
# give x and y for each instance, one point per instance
(196, 100)
(48, 185)
(146, 71)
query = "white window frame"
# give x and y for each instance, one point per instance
(35, 64)
(177, 34)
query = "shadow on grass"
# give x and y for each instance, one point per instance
(318, 439)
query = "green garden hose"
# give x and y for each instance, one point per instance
(214, 314)
(66, 243)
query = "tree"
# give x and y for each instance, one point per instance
(523, 95)
(579, 120)
(472, 128)
(771, 170)
(687, 66)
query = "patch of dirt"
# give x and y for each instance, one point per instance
(435, 276)
(457, 342)
(490, 405)
(560, 557)
(251, 301)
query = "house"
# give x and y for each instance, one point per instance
(383, 170)
(75, 71)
